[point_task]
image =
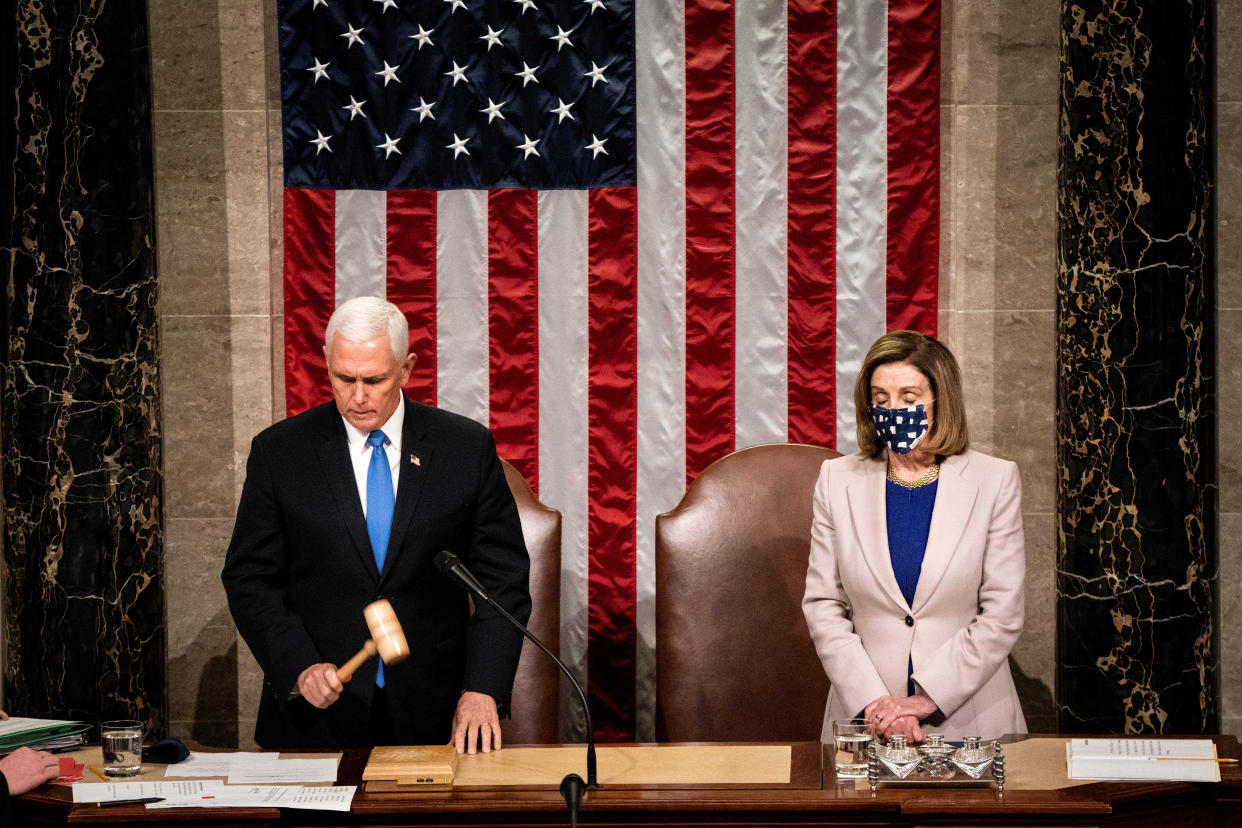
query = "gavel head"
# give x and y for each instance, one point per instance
(386, 631)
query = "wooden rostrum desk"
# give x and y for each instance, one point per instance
(812, 797)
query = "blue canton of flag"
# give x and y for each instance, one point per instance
(451, 94)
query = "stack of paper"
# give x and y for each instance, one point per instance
(1175, 760)
(40, 734)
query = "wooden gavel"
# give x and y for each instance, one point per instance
(387, 639)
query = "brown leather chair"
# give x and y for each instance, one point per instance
(734, 658)
(536, 688)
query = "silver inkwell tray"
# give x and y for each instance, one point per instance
(935, 764)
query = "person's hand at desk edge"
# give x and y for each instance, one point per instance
(23, 770)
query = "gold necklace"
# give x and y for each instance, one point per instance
(927, 477)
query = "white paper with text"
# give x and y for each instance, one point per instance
(1175, 760)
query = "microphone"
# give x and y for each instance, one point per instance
(571, 788)
(450, 564)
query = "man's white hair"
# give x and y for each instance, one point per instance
(367, 317)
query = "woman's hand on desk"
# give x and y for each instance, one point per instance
(890, 716)
(907, 726)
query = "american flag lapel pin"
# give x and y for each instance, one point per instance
(415, 460)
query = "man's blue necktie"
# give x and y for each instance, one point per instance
(379, 510)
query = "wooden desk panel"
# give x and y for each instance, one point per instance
(694, 765)
(835, 804)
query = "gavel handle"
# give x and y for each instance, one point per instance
(346, 671)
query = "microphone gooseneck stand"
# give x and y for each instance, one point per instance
(572, 786)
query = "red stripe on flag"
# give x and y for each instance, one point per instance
(711, 258)
(612, 439)
(513, 327)
(812, 186)
(913, 163)
(310, 293)
(411, 280)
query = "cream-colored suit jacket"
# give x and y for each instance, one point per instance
(967, 609)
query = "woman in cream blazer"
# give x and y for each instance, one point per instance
(937, 662)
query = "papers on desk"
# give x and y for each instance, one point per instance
(212, 793)
(249, 776)
(41, 734)
(218, 764)
(286, 771)
(1176, 760)
(117, 791)
(307, 797)
(255, 768)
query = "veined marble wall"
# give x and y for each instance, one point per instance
(83, 541)
(216, 141)
(1136, 390)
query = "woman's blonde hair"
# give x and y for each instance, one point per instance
(948, 434)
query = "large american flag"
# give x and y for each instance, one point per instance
(630, 236)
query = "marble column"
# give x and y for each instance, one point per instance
(83, 535)
(1137, 636)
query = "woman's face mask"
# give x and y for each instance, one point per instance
(901, 405)
(901, 429)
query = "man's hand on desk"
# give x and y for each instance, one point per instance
(476, 723)
(25, 769)
(319, 685)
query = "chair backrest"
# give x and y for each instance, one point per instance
(734, 657)
(536, 688)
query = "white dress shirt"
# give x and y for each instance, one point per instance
(360, 451)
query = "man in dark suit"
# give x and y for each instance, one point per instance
(323, 491)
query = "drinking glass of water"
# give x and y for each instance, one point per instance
(122, 747)
(852, 739)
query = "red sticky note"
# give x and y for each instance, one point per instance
(70, 771)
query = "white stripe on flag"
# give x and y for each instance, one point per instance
(660, 90)
(563, 361)
(761, 399)
(462, 373)
(862, 196)
(361, 244)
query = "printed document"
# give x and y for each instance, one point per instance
(1174, 760)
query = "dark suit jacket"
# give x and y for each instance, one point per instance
(299, 571)
(5, 814)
